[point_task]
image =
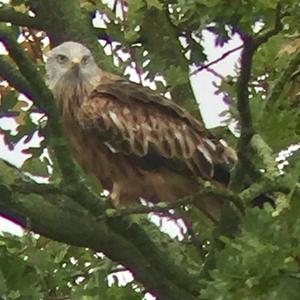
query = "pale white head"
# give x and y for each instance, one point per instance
(70, 64)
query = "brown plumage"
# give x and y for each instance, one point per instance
(136, 142)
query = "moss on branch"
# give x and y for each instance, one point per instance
(266, 154)
(266, 186)
(15, 78)
(251, 43)
(46, 102)
(55, 215)
(59, 221)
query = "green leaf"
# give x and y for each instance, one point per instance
(8, 173)
(176, 76)
(9, 101)
(154, 4)
(36, 167)
(14, 294)
(3, 286)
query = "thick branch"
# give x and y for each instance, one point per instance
(229, 223)
(247, 130)
(44, 101)
(265, 153)
(20, 197)
(8, 14)
(264, 187)
(60, 218)
(125, 228)
(15, 79)
(243, 106)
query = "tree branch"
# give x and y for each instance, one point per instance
(229, 223)
(198, 244)
(265, 186)
(8, 14)
(243, 106)
(62, 199)
(60, 217)
(15, 79)
(261, 39)
(264, 151)
(223, 56)
(206, 189)
(247, 130)
(44, 101)
(24, 200)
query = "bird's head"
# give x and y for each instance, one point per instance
(70, 64)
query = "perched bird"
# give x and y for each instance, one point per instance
(137, 143)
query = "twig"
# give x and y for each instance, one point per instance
(139, 210)
(213, 72)
(102, 34)
(206, 189)
(264, 187)
(57, 298)
(223, 56)
(119, 269)
(261, 39)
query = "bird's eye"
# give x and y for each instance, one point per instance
(62, 59)
(85, 59)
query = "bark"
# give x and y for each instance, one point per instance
(56, 212)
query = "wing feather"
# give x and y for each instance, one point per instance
(135, 120)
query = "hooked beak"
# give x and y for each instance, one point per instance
(75, 66)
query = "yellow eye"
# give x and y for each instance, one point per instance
(85, 59)
(62, 59)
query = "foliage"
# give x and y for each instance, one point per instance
(262, 262)
(73, 246)
(33, 267)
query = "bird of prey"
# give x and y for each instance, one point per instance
(137, 143)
